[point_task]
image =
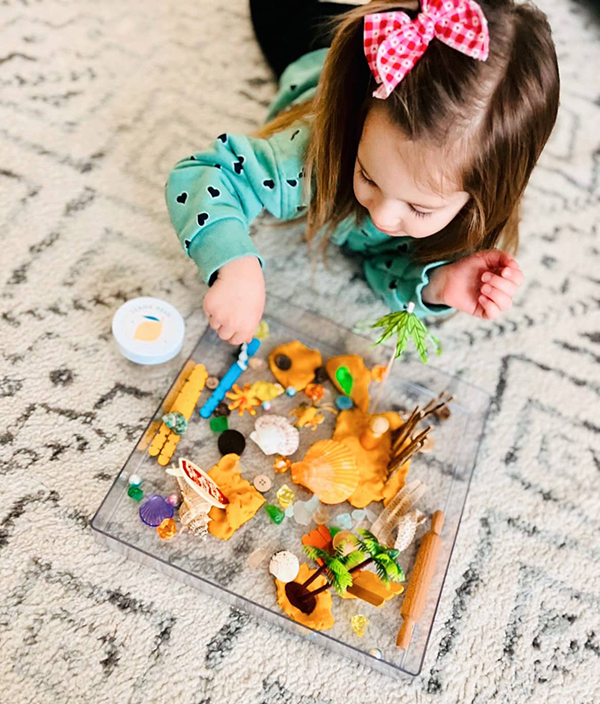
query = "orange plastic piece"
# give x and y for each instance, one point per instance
(321, 619)
(165, 441)
(361, 376)
(378, 372)
(319, 538)
(167, 529)
(244, 499)
(281, 464)
(305, 363)
(368, 587)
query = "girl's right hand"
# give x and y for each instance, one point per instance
(235, 303)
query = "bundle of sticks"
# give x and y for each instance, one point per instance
(404, 444)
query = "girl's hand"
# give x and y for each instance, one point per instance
(482, 284)
(235, 303)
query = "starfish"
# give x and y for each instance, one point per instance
(243, 399)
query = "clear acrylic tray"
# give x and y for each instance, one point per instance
(220, 569)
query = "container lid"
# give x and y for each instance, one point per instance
(148, 330)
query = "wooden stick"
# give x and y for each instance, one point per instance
(405, 430)
(420, 580)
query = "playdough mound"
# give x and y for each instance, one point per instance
(244, 499)
(350, 376)
(294, 364)
(321, 618)
(372, 464)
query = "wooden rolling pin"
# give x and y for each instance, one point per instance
(420, 580)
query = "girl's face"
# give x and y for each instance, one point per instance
(391, 178)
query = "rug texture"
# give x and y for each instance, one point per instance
(97, 102)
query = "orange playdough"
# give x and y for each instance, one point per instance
(321, 618)
(369, 580)
(305, 363)
(372, 464)
(244, 499)
(361, 376)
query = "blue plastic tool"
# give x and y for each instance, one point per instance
(231, 376)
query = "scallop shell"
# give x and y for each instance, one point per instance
(328, 470)
(154, 510)
(275, 435)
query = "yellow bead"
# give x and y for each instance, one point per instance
(359, 624)
(285, 496)
(167, 529)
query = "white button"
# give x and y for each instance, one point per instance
(262, 483)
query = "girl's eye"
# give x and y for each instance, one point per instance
(418, 213)
(365, 178)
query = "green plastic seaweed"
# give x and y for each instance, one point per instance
(406, 326)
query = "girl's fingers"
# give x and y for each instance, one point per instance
(513, 274)
(503, 301)
(238, 338)
(496, 258)
(491, 310)
(226, 332)
(505, 285)
(214, 323)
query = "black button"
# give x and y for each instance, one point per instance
(231, 441)
(283, 362)
(222, 410)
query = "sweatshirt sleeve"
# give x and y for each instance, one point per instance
(213, 196)
(399, 281)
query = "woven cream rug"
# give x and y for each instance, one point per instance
(97, 102)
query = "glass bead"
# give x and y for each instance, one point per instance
(174, 500)
(359, 624)
(135, 493)
(321, 516)
(135, 480)
(167, 529)
(275, 513)
(285, 496)
(266, 405)
(376, 653)
(344, 403)
(291, 391)
(219, 424)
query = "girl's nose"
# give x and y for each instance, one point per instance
(386, 215)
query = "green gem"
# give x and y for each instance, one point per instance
(219, 424)
(275, 513)
(344, 379)
(333, 531)
(135, 493)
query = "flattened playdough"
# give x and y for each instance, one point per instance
(305, 363)
(321, 618)
(372, 464)
(244, 499)
(350, 376)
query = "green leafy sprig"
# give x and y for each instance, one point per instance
(406, 326)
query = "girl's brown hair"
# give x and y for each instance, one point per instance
(500, 113)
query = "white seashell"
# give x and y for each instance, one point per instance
(275, 435)
(284, 566)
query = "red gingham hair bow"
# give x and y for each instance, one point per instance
(393, 43)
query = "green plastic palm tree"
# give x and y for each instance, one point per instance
(384, 558)
(406, 326)
(336, 568)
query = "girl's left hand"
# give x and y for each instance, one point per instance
(482, 284)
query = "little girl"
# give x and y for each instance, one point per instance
(410, 140)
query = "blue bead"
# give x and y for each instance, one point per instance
(344, 403)
(291, 391)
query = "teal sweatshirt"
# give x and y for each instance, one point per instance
(214, 195)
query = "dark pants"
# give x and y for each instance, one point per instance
(288, 29)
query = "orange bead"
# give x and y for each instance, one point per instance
(378, 372)
(281, 464)
(314, 392)
(167, 529)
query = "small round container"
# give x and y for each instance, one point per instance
(148, 330)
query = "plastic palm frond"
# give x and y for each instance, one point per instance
(382, 573)
(368, 543)
(338, 575)
(354, 558)
(405, 325)
(314, 553)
